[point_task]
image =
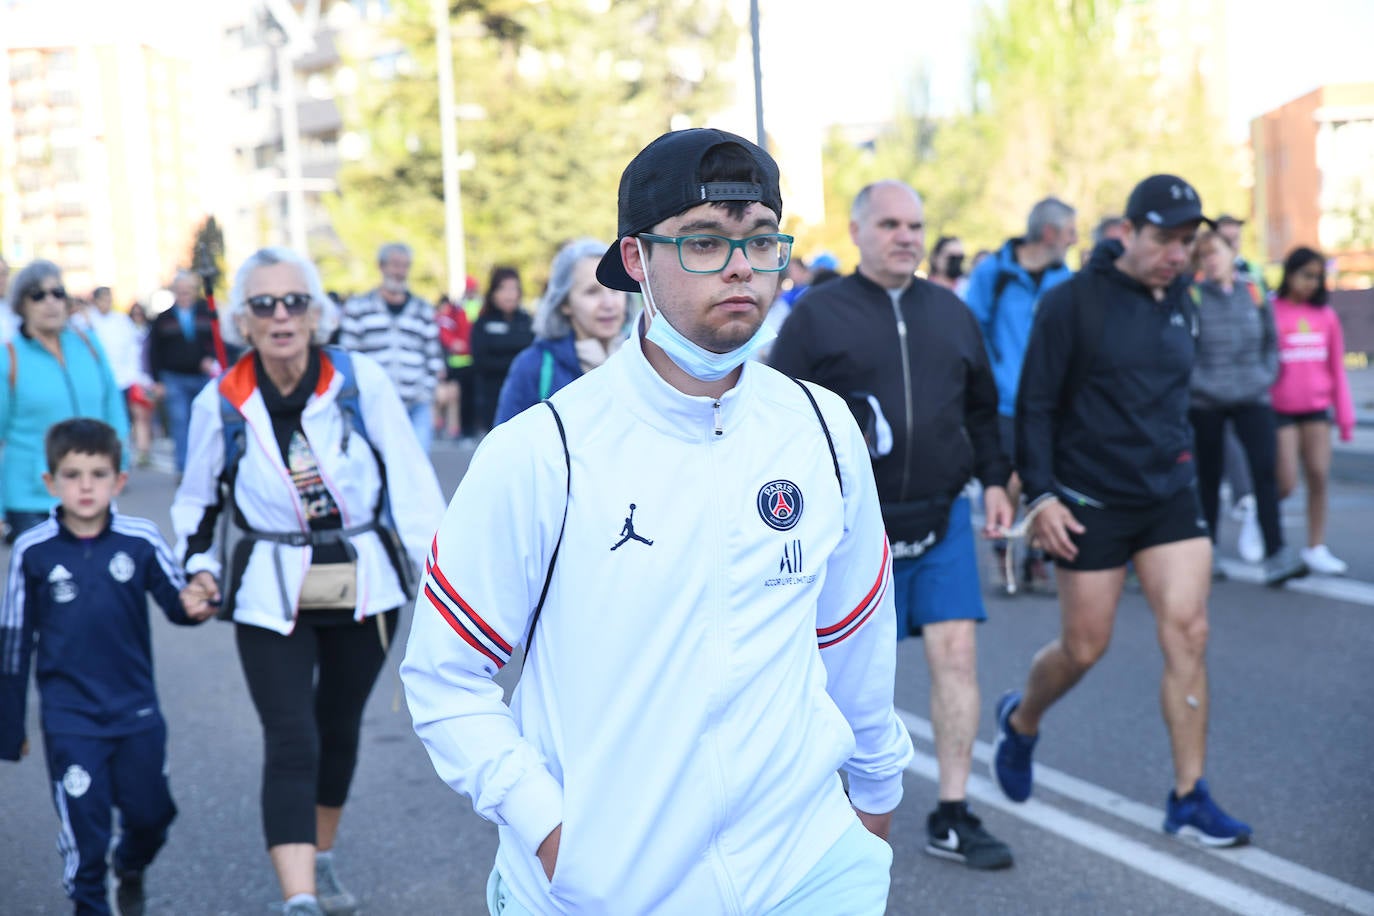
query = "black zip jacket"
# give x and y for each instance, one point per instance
(1123, 437)
(938, 395)
(168, 348)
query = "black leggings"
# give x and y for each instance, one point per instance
(309, 724)
(1254, 426)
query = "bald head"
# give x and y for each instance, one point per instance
(887, 223)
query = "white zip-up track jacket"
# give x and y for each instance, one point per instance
(718, 640)
(269, 500)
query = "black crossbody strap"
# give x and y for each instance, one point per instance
(553, 560)
(829, 441)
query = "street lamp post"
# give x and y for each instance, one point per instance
(762, 137)
(448, 145)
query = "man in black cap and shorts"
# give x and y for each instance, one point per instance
(690, 546)
(1104, 447)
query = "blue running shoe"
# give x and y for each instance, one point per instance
(1011, 755)
(1195, 816)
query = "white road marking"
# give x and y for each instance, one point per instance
(1334, 587)
(1250, 858)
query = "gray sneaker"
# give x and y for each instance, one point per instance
(1282, 565)
(334, 899)
(302, 908)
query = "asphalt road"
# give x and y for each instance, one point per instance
(1292, 751)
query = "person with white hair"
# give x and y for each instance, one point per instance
(578, 324)
(398, 329)
(299, 449)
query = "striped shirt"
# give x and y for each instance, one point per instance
(406, 344)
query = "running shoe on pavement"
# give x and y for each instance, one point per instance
(961, 838)
(1011, 755)
(334, 899)
(302, 908)
(129, 893)
(1196, 816)
(1283, 565)
(1321, 561)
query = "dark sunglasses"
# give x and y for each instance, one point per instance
(266, 306)
(38, 295)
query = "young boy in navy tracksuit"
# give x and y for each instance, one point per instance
(77, 587)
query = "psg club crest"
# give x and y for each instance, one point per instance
(780, 504)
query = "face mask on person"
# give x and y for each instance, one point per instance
(954, 266)
(696, 361)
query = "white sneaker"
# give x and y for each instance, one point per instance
(1244, 508)
(1250, 543)
(1320, 560)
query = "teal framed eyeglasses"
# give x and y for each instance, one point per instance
(708, 254)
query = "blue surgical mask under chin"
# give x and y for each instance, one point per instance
(696, 361)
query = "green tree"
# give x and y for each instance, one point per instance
(1068, 97)
(569, 91)
(206, 256)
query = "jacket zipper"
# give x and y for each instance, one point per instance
(906, 394)
(717, 767)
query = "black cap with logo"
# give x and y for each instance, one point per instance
(1165, 201)
(664, 180)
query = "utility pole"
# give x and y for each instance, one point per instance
(448, 145)
(762, 138)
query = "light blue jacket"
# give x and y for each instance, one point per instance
(46, 392)
(1006, 318)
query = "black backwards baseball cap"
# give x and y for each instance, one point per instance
(1166, 201)
(665, 180)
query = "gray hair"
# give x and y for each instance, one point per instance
(1049, 212)
(187, 275)
(391, 248)
(31, 277)
(549, 321)
(859, 208)
(268, 257)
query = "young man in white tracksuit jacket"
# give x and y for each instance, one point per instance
(715, 636)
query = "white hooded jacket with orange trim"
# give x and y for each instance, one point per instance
(717, 642)
(266, 495)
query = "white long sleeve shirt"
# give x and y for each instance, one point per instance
(687, 702)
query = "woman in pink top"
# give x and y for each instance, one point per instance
(1311, 383)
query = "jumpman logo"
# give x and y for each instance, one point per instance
(627, 533)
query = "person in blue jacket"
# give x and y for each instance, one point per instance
(578, 323)
(77, 597)
(1003, 293)
(49, 372)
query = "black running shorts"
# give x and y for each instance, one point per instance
(1115, 535)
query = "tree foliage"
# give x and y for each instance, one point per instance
(1067, 97)
(568, 90)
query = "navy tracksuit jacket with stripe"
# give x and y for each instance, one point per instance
(82, 604)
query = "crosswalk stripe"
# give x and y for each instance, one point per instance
(1251, 858)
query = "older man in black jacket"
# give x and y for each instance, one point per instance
(909, 358)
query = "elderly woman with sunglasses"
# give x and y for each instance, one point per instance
(282, 517)
(48, 372)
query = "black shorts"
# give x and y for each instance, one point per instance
(1293, 419)
(1115, 535)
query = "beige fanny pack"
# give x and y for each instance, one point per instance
(330, 587)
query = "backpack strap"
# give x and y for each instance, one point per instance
(548, 576)
(999, 286)
(546, 375)
(829, 440)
